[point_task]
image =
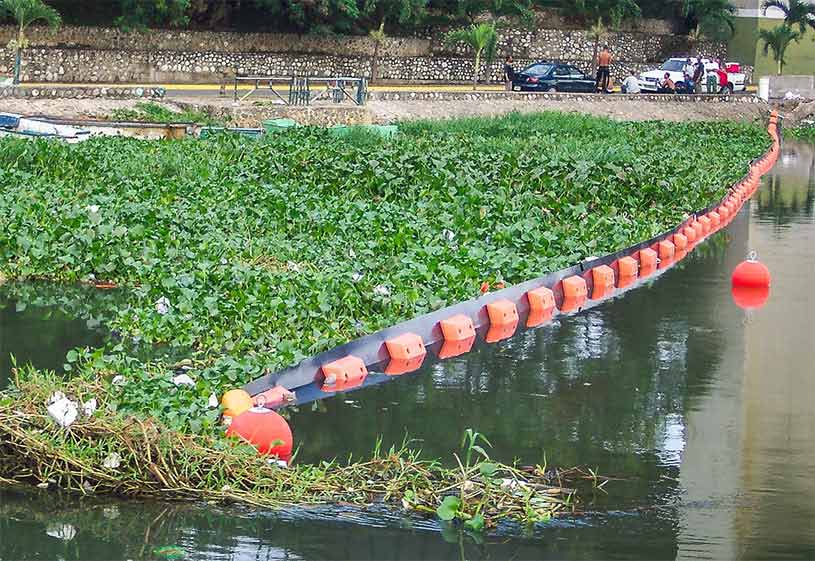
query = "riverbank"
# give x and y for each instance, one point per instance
(251, 114)
(254, 267)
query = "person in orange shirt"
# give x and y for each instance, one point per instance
(603, 66)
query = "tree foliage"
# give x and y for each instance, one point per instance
(797, 13)
(777, 40)
(613, 11)
(346, 16)
(24, 13)
(710, 18)
(482, 38)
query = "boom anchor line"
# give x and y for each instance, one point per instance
(494, 316)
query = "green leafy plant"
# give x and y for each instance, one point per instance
(710, 18)
(150, 112)
(482, 38)
(262, 253)
(25, 13)
(777, 40)
(797, 13)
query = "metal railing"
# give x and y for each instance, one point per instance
(303, 90)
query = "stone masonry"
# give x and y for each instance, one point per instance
(105, 55)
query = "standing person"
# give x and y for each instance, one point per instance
(631, 85)
(723, 81)
(603, 66)
(509, 73)
(688, 68)
(698, 75)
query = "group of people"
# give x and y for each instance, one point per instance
(693, 75)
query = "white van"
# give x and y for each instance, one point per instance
(649, 81)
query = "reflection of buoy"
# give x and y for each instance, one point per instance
(751, 273)
(265, 430)
(750, 297)
(236, 402)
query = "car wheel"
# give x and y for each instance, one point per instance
(551, 89)
(728, 89)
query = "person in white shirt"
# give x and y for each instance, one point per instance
(631, 85)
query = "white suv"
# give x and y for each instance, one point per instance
(649, 81)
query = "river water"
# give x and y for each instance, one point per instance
(702, 409)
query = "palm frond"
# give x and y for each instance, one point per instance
(26, 12)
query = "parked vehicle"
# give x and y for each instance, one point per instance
(553, 77)
(649, 81)
(19, 126)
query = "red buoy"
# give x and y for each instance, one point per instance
(751, 273)
(750, 297)
(265, 430)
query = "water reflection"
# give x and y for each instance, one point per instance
(41, 322)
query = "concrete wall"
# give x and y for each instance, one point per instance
(803, 86)
(102, 55)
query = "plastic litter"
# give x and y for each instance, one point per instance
(163, 306)
(113, 461)
(89, 407)
(61, 530)
(183, 380)
(62, 410)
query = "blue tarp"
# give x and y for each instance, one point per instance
(8, 121)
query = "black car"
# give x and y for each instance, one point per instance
(552, 77)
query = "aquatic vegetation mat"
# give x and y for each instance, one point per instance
(150, 112)
(803, 132)
(256, 254)
(134, 457)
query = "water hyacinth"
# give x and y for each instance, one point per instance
(252, 268)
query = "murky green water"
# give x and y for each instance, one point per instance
(704, 409)
(40, 323)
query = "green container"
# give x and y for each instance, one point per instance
(274, 126)
(385, 131)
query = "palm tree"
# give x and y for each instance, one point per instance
(378, 36)
(482, 39)
(710, 17)
(26, 12)
(597, 33)
(778, 39)
(796, 13)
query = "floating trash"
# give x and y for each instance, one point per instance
(62, 410)
(183, 380)
(61, 530)
(163, 306)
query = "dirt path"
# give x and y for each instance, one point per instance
(391, 111)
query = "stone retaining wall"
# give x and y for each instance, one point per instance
(81, 93)
(102, 55)
(534, 96)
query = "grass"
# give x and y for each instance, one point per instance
(157, 463)
(150, 112)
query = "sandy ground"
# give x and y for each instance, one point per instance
(390, 111)
(68, 108)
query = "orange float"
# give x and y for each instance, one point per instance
(235, 402)
(265, 430)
